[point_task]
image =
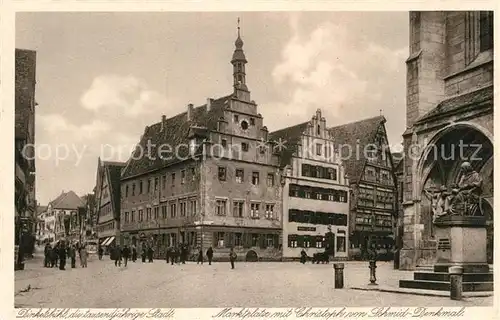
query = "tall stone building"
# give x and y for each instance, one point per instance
(449, 103)
(208, 178)
(366, 156)
(24, 198)
(108, 201)
(315, 191)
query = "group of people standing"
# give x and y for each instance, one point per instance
(56, 255)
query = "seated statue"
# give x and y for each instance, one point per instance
(469, 188)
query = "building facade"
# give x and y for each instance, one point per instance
(24, 199)
(215, 183)
(449, 103)
(315, 191)
(370, 170)
(67, 210)
(107, 202)
(45, 228)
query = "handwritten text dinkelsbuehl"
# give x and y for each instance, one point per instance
(127, 314)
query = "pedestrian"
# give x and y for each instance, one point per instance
(150, 254)
(200, 257)
(143, 254)
(134, 253)
(125, 254)
(210, 255)
(183, 253)
(118, 256)
(303, 256)
(55, 255)
(47, 252)
(232, 257)
(83, 256)
(173, 255)
(168, 253)
(100, 251)
(72, 256)
(62, 256)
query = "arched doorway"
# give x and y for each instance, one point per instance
(251, 256)
(440, 165)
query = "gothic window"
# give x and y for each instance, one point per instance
(318, 130)
(485, 30)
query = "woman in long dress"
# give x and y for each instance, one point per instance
(83, 256)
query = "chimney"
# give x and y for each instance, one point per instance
(163, 122)
(209, 104)
(190, 112)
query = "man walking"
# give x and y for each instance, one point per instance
(100, 252)
(125, 254)
(72, 256)
(210, 255)
(134, 253)
(200, 257)
(118, 256)
(62, 256)
(232, 257)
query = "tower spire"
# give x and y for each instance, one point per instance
(239, 61)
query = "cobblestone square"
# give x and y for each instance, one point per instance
(141, 285)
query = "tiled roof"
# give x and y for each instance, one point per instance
(460, 101)
(67, 200)
(352, 134)
(114, 171)
(291, 138)
(175, 132)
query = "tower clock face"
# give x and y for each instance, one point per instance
(244, 125)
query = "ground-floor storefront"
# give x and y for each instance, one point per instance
(361, 240)
(250, 244)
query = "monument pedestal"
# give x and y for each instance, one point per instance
(461, 241)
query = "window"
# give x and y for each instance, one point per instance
(269, 211)
(182, 208)
(236, 118)
(252, 121)
(244, 125)
(332, 173)
(307, 194)
(485, 30)
(222, 173)
(319, 242)
(126, 217)
(183, 176)
(223, 142)
(163, 181)
(173, 210)
(270, 180)
(220, 239)
(307, 242)
(255, 178)
(126, 191)
(220, 208)
(193, 207)
(240, 175)
(255, 239)
(319, 148)
(238, 208)
(141, 215)
(149, 186)
(340, 244)
(173, 179)
(140, 187)
(132, 216)
(254, 210)
(148, 214)
(239, 67)
(133, 189)
(157, 181)
(292, 241)
(269, 241)
(318, 130)
(238, 240)
(262, 149)
(164, 212)
(156, 213)
(244, 146)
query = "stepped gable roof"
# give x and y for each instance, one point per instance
(175, 132)
(360, 133)
(291, 138)
(457, 102)
(115, 172)
(67, 200)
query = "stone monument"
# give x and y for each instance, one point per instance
(460, 230)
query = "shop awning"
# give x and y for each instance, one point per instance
(104, 241)
(109, 241)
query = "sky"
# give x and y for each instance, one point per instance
(102, 77)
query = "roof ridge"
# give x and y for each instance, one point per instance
(381, 117)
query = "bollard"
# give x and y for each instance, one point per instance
(456, 274)
(339, 275)
(373, 278)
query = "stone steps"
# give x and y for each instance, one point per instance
(445, 286)
(445, 277)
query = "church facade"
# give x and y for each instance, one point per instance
(449, 120)
(215, 183)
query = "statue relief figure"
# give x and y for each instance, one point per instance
(439, 201)
(470, 188)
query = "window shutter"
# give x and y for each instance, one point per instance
(276, 241)
(214, 240)
(262, 241)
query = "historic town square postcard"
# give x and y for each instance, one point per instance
(238, 160)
